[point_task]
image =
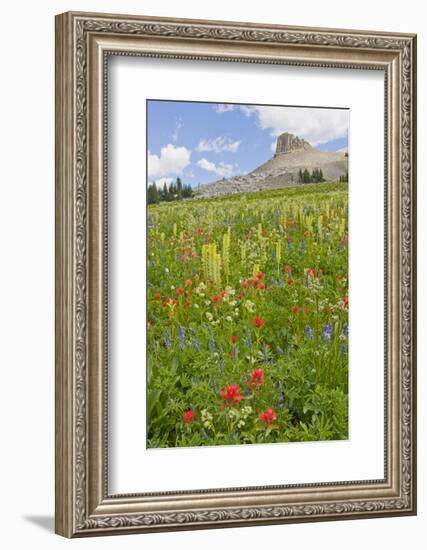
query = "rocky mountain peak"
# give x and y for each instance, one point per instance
(287, 143)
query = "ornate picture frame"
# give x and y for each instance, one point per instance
(84, 42)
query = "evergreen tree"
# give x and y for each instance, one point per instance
(306, 176)
(179, 187)
(165, 192)
(300, 177)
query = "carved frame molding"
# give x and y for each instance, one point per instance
(83, 43)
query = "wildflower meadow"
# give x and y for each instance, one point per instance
(247, 318)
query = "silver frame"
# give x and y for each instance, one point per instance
(83, 43)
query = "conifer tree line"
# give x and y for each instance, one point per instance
(316, 176)
(176, 191)
(344, 179)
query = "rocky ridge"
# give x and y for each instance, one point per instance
(292, 154)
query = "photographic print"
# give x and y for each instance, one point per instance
(247, 274)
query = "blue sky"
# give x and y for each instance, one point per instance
(203, 142)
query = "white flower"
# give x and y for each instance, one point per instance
(172, 287)
(249, 306)
(196, 306)
(228, 318)
(233, 303)
(166, 270)
(209, 316)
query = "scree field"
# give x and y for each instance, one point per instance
(247, 318)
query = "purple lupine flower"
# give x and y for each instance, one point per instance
(344, 349)
(279, 350)
(167, 339)
(221, 365)
(309, 332)
(345, 330)
(196, 344)
(289, 245)
(248, 338)
(212, 345)
(302, 244)
(280, 282)
(327, 332)
(281, 399)
(181, 337)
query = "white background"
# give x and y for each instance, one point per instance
(27, 276)
(362, 456)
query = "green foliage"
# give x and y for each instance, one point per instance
(268, 313)
(175, 192)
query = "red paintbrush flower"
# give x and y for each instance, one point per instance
(268, 416)
(233, 339)
(259, 275)
(295, 309)
(216, 299)
(257, 379)
(258, 322)
(231, 394)
(188, 416)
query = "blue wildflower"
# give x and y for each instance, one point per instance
(212, 345)
(167, 339)
(181, 337)
(221, 365)
(344, 349)
(345, 330)
(248, 338)
(279, 350)
(289, 244)
(196, 344)
(281, 399)
(327, 332)
(302, 244)
(309, 332)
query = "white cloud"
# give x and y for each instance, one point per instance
(248, 110)
(223, 107)
(221, 169)
(315, 125)
(178, 125)
(172, 161)
(218, 145)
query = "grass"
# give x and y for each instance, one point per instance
(247, 318)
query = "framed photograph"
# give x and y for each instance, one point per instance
(235, 274)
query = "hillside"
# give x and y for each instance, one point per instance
(292, 155)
